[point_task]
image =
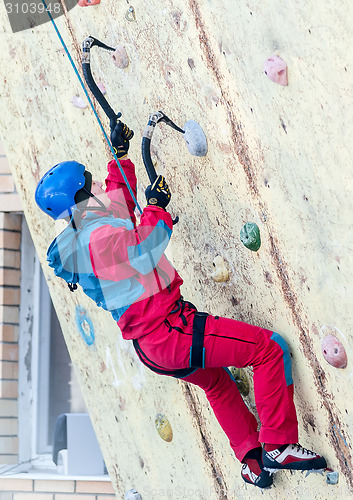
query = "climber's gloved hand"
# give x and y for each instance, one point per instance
(120, 136)
(158, 194)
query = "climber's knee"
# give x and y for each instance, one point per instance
(285, 354)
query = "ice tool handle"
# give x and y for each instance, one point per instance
(154, 118)
(87, 44)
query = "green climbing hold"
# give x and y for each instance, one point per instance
(241, 380)
(250, 236)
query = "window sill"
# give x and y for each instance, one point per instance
(51, 475)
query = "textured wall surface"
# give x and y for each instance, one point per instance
(279, 156)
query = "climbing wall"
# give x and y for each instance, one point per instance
(279, 156)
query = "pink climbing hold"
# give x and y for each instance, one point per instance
(276, 69)
(120, 57)
(86, 3)
(334, 352)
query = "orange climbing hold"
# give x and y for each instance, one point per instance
(334, 352)
(276, 69)
(86, 3)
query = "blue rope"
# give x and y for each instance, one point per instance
(91, 104)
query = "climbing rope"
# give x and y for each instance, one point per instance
(92, 106)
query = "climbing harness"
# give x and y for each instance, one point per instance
(197, 350)
(178, 373)
(90, 100)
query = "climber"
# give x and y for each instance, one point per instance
(121, 266)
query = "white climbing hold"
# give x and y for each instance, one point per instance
(195, 138)
(78, 102)
(132, 495)
(332, 477)
(221, 272)
(120, 57)
(276, 69)
(210, 93)
(102, 88)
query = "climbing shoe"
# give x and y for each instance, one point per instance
(292, 456)
(253, 470)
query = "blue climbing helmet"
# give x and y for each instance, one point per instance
(62, 187)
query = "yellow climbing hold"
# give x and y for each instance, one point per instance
(163, 427)
(241, 379)
(221, 272)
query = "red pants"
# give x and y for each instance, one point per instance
(232, 343)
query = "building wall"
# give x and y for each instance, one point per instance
(9, 198)
(44, 489)
(10, 275)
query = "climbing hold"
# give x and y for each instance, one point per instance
(334, 352)
(130, 14)
(332, 477)
(120, 57)
(84, 325)
(132, 495)
(241, 380)
(210, 93)
(86, 3)
(195, 138)
(102, 88)
(250, 236)
(220, 273)
(276, 69)
(78, 102)
(163, 427)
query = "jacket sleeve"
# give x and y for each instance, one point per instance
(122, 203)
(119, 253)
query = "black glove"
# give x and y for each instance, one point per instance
(158, 194)
(120, 135)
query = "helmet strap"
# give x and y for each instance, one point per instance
(72, 222)
(101, 204)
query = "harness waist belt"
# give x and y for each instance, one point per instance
(197, 350)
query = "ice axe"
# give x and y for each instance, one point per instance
(193, 135)
(87, 44)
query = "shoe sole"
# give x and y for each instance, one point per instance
(268, 483)
(316, 463)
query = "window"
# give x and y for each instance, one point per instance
(47, 382)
